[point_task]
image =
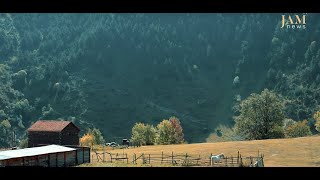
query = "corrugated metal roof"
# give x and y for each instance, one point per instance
(33, 151)
(49, 125)
(4, 157)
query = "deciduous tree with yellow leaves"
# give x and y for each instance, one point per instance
(87, 140)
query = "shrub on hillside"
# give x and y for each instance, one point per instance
(316, 116)
(298, 129)
(288, 122)
(277, 132)
(23, 143)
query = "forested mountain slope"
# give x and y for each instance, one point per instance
(112, 70)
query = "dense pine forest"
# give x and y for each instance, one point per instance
(110, 71)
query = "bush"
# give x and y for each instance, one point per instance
(287, 123)
(316, 116)
(298, 129)
(23, 143)
(277, 132)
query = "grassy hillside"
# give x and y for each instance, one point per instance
(294, 152)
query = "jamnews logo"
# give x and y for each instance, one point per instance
(294, 22)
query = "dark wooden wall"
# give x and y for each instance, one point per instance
(70, 135)
(35, 138)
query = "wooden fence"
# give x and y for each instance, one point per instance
(179, 159)
(110, 157)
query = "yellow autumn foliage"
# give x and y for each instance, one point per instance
(87, 140)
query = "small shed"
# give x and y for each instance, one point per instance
(45, 132)
(47, 156)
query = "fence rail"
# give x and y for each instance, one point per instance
(180, 159)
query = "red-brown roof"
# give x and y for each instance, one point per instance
(50, 125)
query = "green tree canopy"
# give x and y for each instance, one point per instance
(143, 134)
(260, 117)
(166, 133)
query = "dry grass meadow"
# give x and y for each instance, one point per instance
(294, 152)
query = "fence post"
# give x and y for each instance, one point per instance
(232, 161)
(187, 163)
(103, 153)
(127, 158)
(198, 159)
(143, 160)
(161, 157)
(226, 161)
(251, 163)
(238, 158)
(210, 160)
(149, 159)
(134, 158)
(172, 157)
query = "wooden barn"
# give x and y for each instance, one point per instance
(45, 132)
(46, 156)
